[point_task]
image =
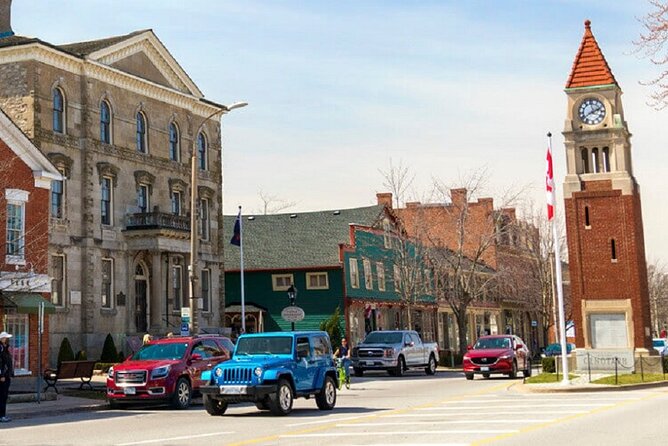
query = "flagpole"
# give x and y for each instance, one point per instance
(241, 263)
(557, 268)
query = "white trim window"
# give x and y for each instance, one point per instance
(143, 198)
(107, 282)
(205, 282)
(58, 280)
(205, 224)
(380, 272)
(15, 228)
(397, 278)
(354, 273)
(202, 160)
(58, 111)
(176, 202)
(426, 277)
(57, 195)
(368, 275)
(317, 281)
(107, 201)
(281, 282)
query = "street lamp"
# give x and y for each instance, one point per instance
(292, 295)
(192, 272)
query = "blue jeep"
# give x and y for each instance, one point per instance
(271, 370)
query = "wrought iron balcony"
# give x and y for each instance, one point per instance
(157, 220)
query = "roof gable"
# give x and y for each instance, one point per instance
(590, 67)
(141, 54)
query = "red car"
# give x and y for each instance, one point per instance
(166, 370)
(505, 354)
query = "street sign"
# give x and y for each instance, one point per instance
(185, 329)
(292, 314)
(534, 323)
(185, 321)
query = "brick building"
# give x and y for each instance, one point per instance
(604, 226)
(26, 176)
(120, 118)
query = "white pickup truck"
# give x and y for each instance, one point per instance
(394, 351)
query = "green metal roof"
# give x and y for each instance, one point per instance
(297, 240)
(26, 302)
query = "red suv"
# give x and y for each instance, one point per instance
(497, 354)
(166, 370)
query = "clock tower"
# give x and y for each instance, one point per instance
(606, 247)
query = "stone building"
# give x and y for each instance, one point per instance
(120, 119)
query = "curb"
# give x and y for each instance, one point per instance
(30, 397)
(25, 415)
(529, 388)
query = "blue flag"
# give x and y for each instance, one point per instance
(236, 237)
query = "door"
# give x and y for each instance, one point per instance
(306, 365)
(141, 291)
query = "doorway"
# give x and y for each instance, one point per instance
(141, 298)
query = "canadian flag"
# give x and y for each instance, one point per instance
(549, 185)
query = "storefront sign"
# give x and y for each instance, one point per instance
(292, 314)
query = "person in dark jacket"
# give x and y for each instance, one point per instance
(6, 373)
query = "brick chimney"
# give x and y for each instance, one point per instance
(6, 18)
(385, 199)
(458, 196)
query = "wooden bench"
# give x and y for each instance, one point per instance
(70, 369)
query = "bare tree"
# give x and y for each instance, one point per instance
(272, 204)
(652, 45)
(657, 279)
(398, 180)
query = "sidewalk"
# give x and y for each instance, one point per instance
(24, 406)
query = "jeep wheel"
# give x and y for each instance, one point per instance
(358, 372)
(280, 403)
(213, 406)
(326, 399)
(431, 366)
(182, 394)
(262, 405)
(513, 372)
(469, 376)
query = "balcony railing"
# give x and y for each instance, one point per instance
(157, 220)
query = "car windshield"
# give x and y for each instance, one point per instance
(265, 345)
(383, 337)
(658, 343)
(489, 343)
(171, 350)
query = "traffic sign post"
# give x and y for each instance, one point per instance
(185, 321)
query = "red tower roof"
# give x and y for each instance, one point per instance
(589, 67)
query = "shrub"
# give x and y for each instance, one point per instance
(109, 352)
(548, 364)
(65, 353)
(121, 356)
(665, 364)
(80, 356)
(333, 327)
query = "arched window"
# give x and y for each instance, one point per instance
(201, 151)
(58, 111)
(585, 160)
(174, 149)
(105, 122)
(606, 159)
(141, 133)
(594, 160)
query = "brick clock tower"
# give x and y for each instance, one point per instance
(606, 247)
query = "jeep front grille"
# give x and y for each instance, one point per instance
(239, 375)
(131, 377)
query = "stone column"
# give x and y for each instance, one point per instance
(155, 306)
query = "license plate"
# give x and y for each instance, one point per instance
(233, 390)
(369, 363)
(129, 390)
(484, 369)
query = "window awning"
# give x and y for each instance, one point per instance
(26, 302)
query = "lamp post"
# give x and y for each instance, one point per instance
(194, 254)
(292, 295)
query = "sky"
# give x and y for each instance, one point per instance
(339, 89)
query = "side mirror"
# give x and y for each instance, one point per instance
(409, 344)
(469, 347)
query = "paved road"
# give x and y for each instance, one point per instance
(378, 410)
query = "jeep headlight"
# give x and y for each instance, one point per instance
(218, 372)
(160, 372)
(258, 371)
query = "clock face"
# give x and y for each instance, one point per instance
(592, 111)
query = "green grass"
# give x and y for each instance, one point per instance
(545, 378)
(632, 378)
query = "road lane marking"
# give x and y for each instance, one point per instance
(505, 412)
(521, 406)
(431, 423)
(518, 399)
(392, 433)
(563, 420)
(327, 420)
(184, 437)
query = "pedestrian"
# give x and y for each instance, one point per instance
(663, 332)
(6, 373)
(147, 338)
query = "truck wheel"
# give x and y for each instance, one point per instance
(182, 394)
(513, 372)
(280, 403)
(431, 366)
(469, 376)
(401, 366)
(358, 372)
(213, 406)
(326, 399)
